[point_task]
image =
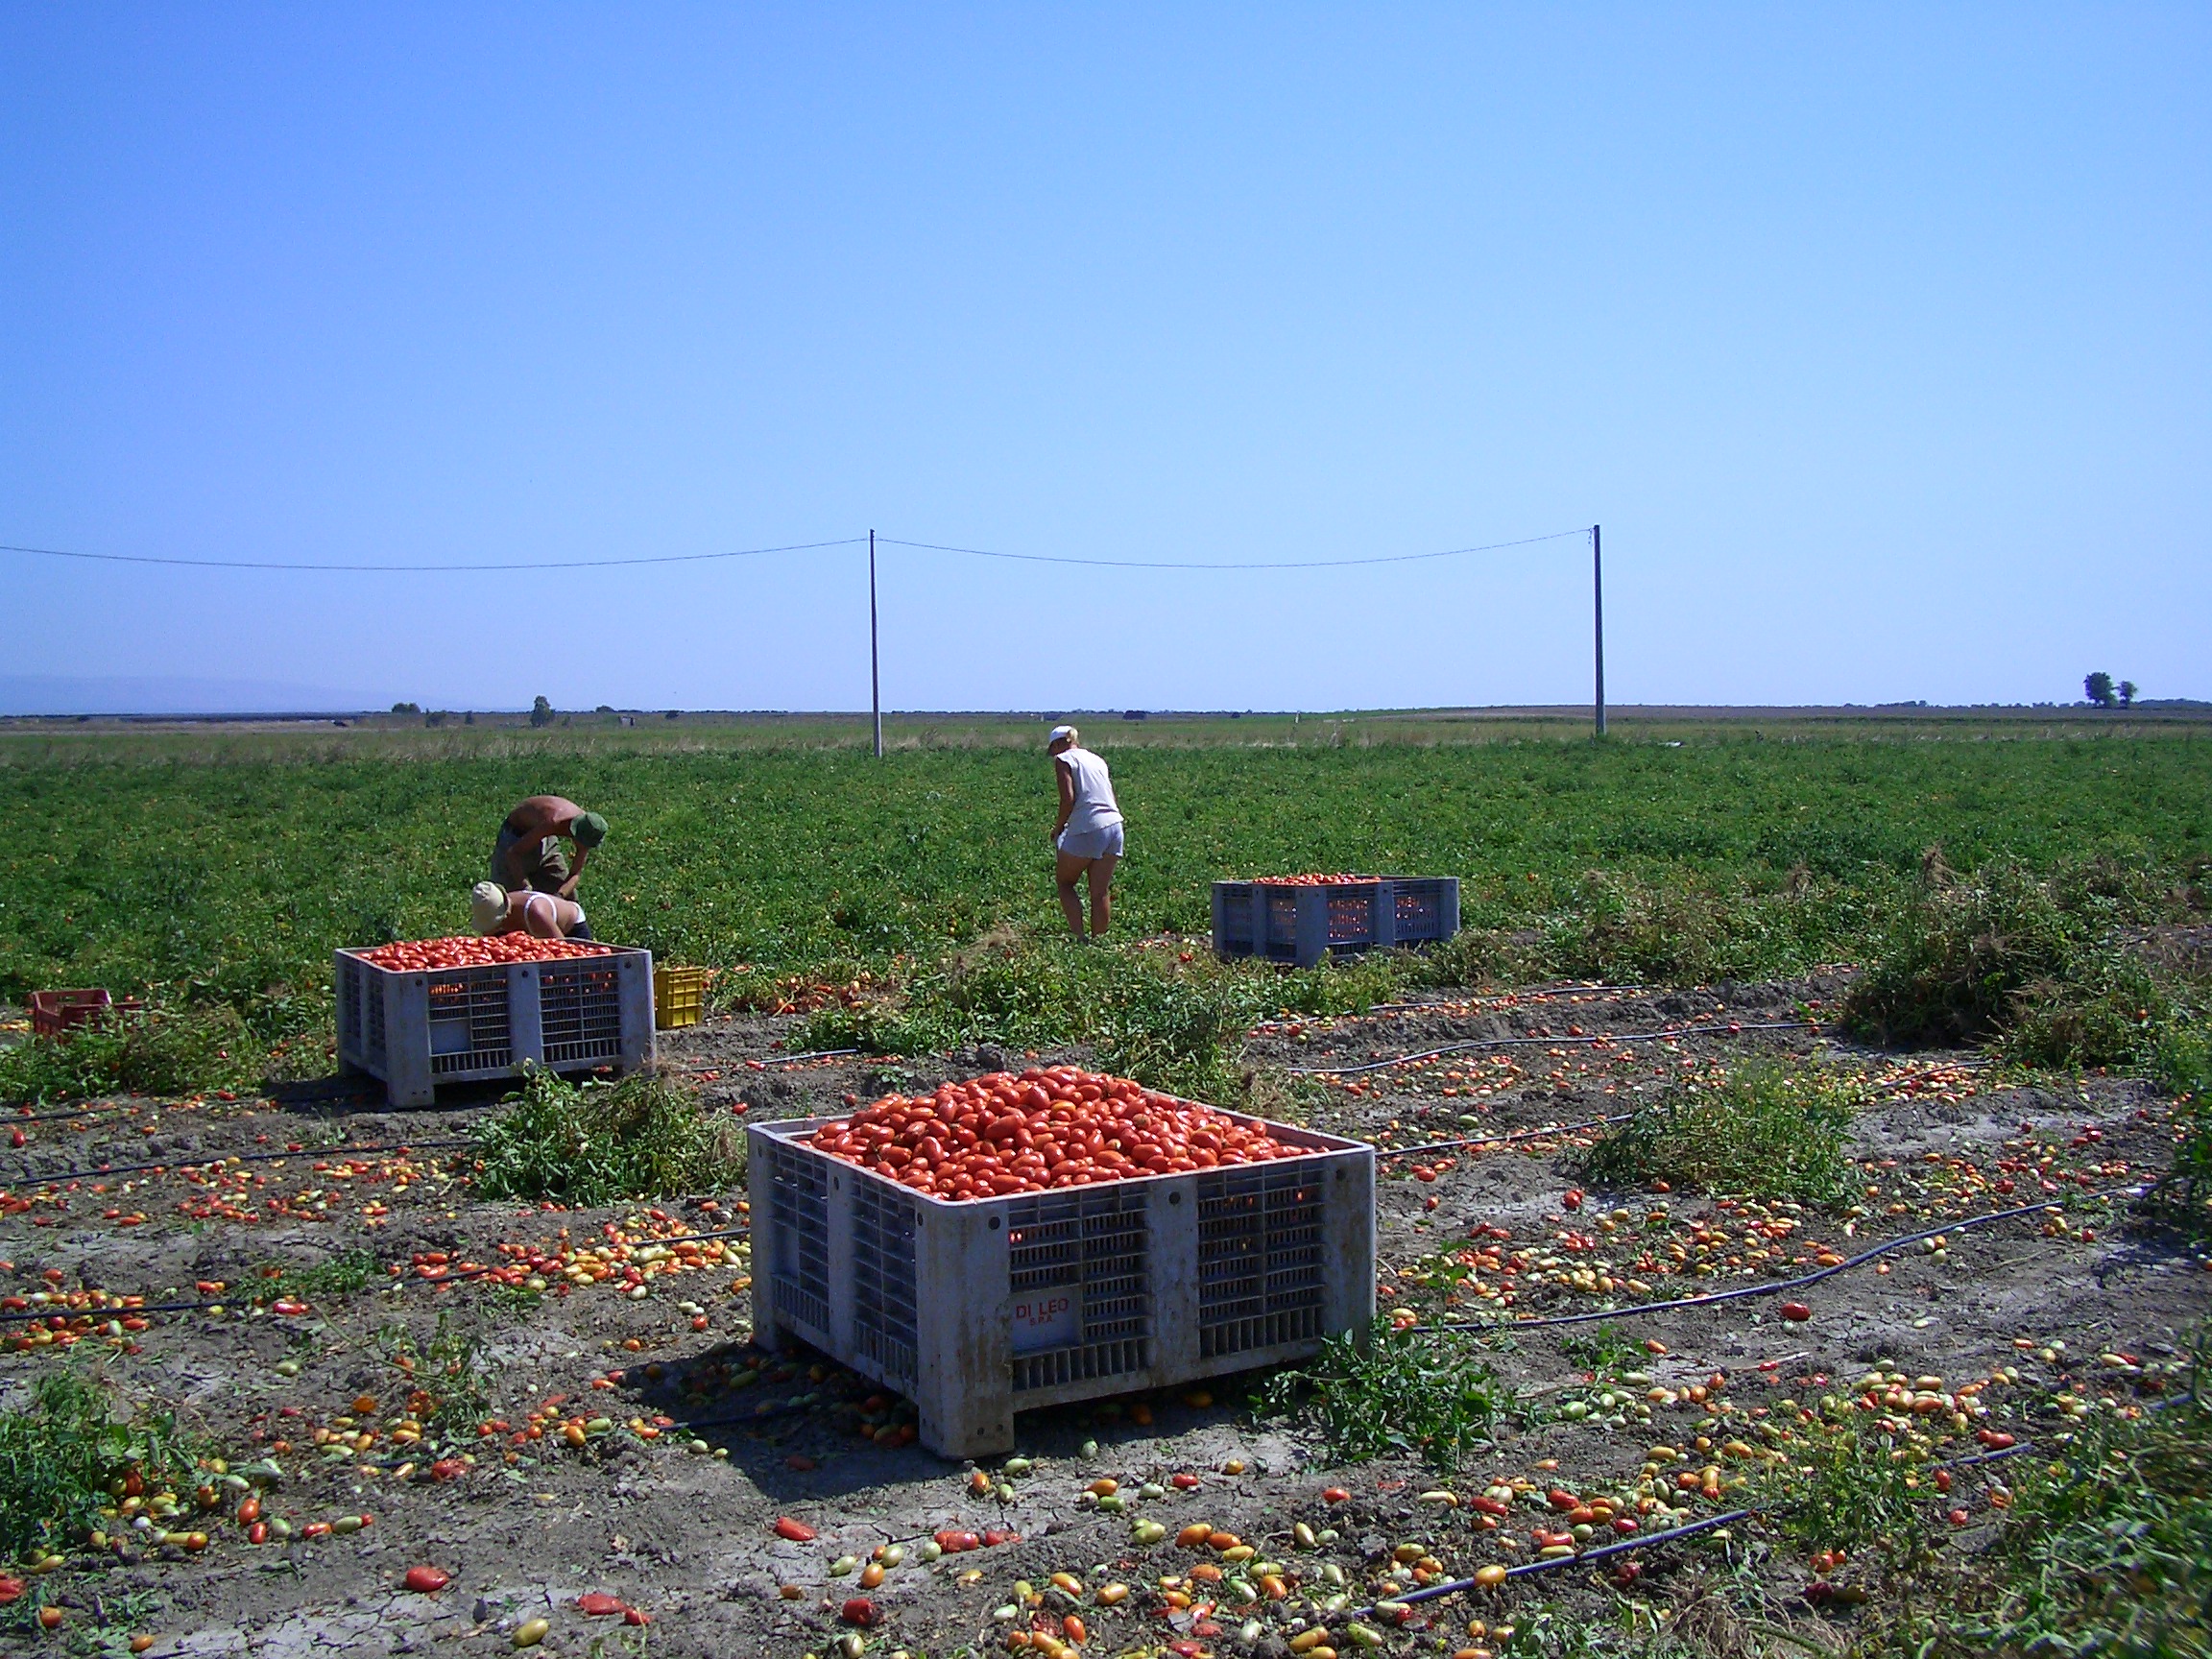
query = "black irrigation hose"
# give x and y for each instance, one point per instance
(1729, 1031)
(50, 1312)
(1591, 1557)
(29, 1180)
(1772, 1286)
(1469, 1001)
(1500, 1140)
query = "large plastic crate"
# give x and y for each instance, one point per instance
(978, 1310)
(1302, 924)
(415, 1030)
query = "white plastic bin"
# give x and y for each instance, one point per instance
(415, 1030)
(977, 1310)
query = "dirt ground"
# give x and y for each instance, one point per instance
(669, 1510)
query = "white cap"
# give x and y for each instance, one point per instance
(1060, 731)
(487, 905)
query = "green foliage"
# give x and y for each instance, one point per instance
(170, 1050)
(346, 1274)
(1169, 1023)
(1382, 1393)
(1764, 1130)
(2107, 1550)
(449, 1367)
(2183, 1197)
(2114, 1553)
(2033, 960)
(645, 1136)
(57, 1458)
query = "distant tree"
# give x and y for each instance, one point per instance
(433, 717)
(604, 708)
(672, 713)
(469, 719)
(2097, 686)
(541, 711)
(406, 708)
(2127, 693)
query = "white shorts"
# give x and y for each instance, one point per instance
(1098, 843)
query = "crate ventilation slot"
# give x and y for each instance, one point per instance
(469, 1029)
(799, 1198)
(580, 1004)
(883, 1297)
(1089, 1245)
(1259, 1260)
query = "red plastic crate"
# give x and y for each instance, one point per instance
(55, 1012)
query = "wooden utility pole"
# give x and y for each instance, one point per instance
(1597, 616)
(874, 671)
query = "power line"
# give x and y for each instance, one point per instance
(411, 569)
(1264, 565)
(791, 547)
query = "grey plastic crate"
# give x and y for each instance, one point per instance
(415, 1030)
(977, 1310)
(1302, 924)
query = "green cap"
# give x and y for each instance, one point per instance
(588, 830)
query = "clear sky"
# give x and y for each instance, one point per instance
(1875, 338)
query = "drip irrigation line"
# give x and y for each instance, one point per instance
(1588, 1558)
(817, 1054)
(1706, 1524)
(1500, 1140)
(1729, 1031)
(402, 1281)
(428, 569)
(1772, 1286)
(1533, 991)
(1266, 565)
(29, 1180)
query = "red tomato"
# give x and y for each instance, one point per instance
(1046, 1128)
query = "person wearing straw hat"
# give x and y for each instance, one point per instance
(1086, 835)
(528, 853)
(493, 909)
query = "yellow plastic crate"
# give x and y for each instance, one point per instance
(678, 996)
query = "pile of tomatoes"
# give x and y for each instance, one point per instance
(1316, 880)
(414, 956)
(1048, 1128)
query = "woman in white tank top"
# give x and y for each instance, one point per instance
(1086, 835)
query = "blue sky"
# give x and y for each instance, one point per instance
(1875, 337)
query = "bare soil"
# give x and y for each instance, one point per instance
(684, 1535)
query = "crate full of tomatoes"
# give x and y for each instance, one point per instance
(1302, 919)
(1026, 1239)
(422, 1012)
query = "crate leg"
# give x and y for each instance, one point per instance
(966, 1385)
(1312, 942)
(1448, 909)
(407, 1076)
(1348, 1248)
(525, 1017)
(636, 986)
(1173, 1222)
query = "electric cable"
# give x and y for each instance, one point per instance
(1265, 564)
(430, 569)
